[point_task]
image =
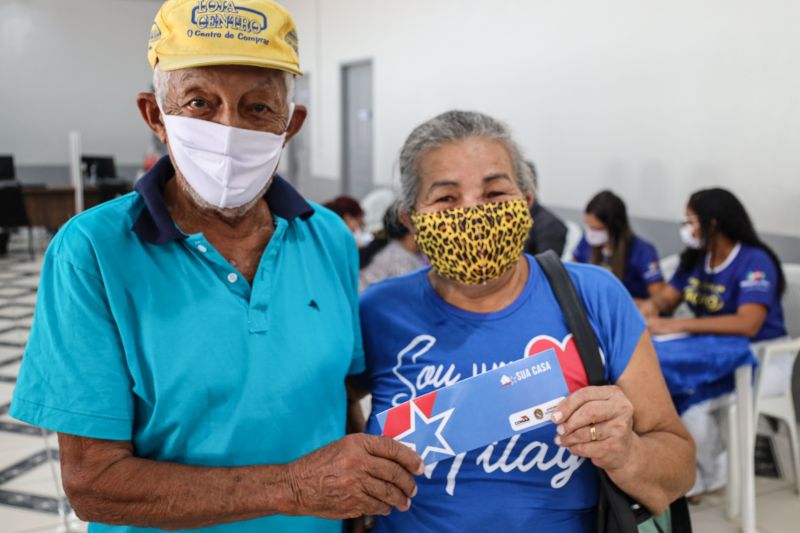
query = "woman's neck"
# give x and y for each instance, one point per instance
(720, 249)
(490, 297)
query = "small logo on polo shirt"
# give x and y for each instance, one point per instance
(313, 305)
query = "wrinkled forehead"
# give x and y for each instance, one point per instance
(466, 162)
(229, 78)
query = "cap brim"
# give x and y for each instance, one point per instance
(178, 62)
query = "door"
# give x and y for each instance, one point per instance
(299, 148)
(357, 179)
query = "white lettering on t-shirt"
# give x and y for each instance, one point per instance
(533, 455)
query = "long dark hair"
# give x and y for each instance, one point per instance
(611, 211)
(720, 212)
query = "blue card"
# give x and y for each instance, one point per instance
(477, 411)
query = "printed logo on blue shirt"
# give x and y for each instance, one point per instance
(755, 279)
(653, 270)
(704, 294)
(222, 19)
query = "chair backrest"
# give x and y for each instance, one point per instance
(7, 167)
(375, 204)
(99, 166)
(574, 234)
(669, 265)
(791, 298)
(12, 206)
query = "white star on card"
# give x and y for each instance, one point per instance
(442, 419)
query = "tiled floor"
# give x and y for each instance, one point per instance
(31, 500)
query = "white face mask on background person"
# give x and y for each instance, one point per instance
(227, 167)
(596, 237)
(364, 237)
(688, 238)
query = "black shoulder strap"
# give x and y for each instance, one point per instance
(575, 315)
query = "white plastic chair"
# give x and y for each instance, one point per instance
(773, 391)
(791, 299)
(772, 395)
(669, 265)
(375, 204)
(574, 234)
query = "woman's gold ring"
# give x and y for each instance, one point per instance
(593, 432)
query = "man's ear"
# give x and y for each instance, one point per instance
(298, 119)
(148, 108)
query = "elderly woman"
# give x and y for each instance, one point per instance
(483, 304)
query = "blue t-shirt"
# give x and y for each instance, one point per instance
(415, 343)
(748, 276)
(144, 333)
(641, 269)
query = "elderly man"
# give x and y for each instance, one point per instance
(191, 339)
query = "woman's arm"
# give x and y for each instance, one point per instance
(665, 301)
(641, 442)
(657, 287)
(747, 321)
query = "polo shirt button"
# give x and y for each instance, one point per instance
(232, 277)
(202, 248)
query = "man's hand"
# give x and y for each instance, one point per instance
(355, 476)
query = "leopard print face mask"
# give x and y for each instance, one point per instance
(473, 245)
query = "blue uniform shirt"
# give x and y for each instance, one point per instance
(415, 343)
(144, 333)
(748, 276)
(641, 268)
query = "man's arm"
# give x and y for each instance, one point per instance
(357, 475)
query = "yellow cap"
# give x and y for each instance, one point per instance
(198, 33)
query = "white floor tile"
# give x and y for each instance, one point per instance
(16, 520)
(15, 312)
(11, 293)
(28, 298)
(16, 336)
(6, 390)
(10, 370)
(12, 456)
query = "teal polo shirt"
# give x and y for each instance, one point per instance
(144, 333)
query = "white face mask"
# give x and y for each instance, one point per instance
(688, 238)
(364, 237)
(596, 237)
(227, 167)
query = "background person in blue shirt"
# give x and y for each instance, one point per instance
(191, 339)
(466, 198)
(731, 280)
(733, 284)
(609, 242)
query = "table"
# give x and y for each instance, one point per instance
(701, 367)
(51, 207)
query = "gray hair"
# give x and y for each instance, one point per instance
(450, 127)
(161, 84)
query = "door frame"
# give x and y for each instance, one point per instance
(344, 184)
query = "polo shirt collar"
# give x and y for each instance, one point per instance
(155, 224)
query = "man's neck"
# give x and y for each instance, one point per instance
(241, 240)
(192, 218)
(489, 297)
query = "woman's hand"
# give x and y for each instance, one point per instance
(609, 412)
(664, 326)
(647, 308)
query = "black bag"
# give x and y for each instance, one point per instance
(616, 511)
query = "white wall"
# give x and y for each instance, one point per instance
(653, 99)
(73, 65)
